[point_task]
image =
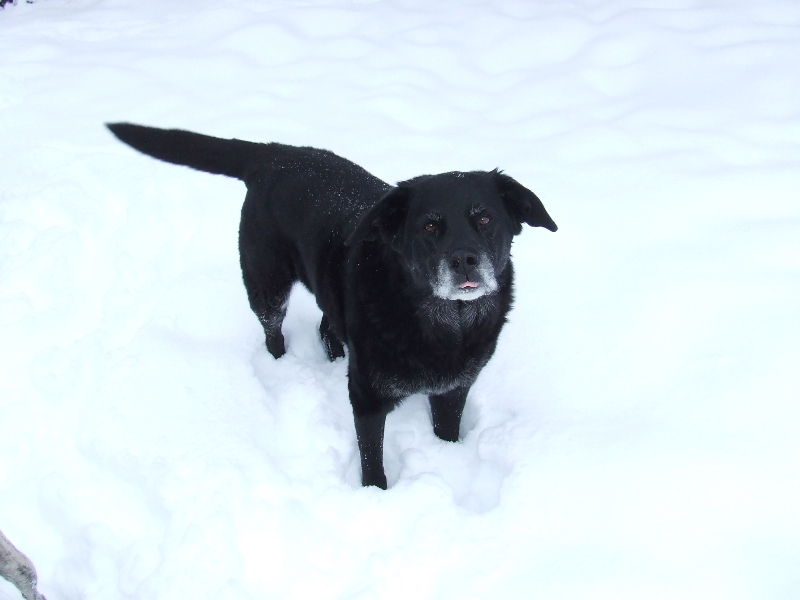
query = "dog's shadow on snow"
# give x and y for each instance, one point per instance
(308, 397)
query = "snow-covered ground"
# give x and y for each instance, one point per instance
(635, 435)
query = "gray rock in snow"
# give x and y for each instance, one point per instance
(18, 569)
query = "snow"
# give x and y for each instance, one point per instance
(634, 436)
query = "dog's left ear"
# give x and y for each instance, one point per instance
(522, 204)
(384, 219)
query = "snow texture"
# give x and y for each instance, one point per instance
(634, 436)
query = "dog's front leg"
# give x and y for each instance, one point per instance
(446, 410)
(369, 429)
(369, 413)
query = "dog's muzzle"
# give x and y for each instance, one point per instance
(464, 275)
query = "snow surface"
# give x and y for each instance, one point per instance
(636, 433)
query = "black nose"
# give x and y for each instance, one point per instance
(463, 261)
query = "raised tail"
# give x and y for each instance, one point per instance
(201, 152)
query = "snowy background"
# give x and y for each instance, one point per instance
(636, 433)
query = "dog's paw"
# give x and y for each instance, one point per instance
(376, 479)
(333, 347)
(446, 433)
(276, 345)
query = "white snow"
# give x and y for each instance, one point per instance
(636, 433)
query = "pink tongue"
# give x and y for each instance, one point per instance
(468, 284)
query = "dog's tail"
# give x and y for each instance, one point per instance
(201, 152)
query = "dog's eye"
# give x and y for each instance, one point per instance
(430, 227)
(484, 220)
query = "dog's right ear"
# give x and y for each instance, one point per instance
(382, 220)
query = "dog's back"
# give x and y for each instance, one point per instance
(298, 179)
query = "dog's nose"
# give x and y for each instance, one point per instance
(463, 261)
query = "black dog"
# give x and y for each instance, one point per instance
(415, 279)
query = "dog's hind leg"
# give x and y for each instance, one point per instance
(333, 347)
(446, 411)
(268, 296)
(270, 312)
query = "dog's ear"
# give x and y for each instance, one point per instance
(522, 204)
(384, 219)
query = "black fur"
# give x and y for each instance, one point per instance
(414, 280)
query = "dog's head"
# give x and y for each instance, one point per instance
(453, 231)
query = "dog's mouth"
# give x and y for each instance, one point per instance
(468, 285)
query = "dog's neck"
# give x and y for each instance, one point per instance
(456, 315)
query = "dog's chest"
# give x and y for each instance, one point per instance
(395, 386)
(445, 348)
